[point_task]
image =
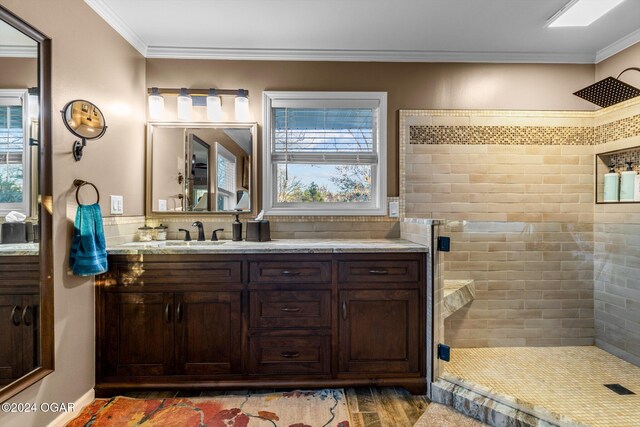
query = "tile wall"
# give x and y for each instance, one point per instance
(516, 189)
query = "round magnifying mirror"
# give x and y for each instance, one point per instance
(85, 120)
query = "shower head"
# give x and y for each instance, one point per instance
(609, 91)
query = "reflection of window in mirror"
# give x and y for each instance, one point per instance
(15, 158)
(226, 178)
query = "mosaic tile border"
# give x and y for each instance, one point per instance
(502, 135)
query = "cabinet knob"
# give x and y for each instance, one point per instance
(15, 319)
(290, 354)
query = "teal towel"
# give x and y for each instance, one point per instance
(88, 249)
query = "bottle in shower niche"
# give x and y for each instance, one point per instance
(611, 184)
(627, 183)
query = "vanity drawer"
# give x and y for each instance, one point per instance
(180, 272)
(290, 271)
(375, 271)
(290, 309)
(290, 354)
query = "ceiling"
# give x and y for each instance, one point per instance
(367, 30)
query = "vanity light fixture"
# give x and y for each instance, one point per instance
(189, 98)
(156, 104)
(185, 105)
(242, 106)
(214, 106)
(581, 13)
(33, 103)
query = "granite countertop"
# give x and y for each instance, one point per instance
(19, 249)
(273, 246)
(457, 294)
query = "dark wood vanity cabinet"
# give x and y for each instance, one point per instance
(276, 320)
(19, 316)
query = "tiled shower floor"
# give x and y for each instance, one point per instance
(565, 382)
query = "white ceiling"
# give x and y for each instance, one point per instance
(367, 30)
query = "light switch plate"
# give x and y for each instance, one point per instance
(117, 205)
(162, 205)
(394, 209)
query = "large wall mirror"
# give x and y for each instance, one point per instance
(200, 168)
(26, 272)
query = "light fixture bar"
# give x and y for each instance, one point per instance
(197, 92)
(581, 13)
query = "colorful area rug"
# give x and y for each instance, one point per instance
(315, 408)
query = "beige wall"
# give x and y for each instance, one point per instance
(168, 161)
(612, 66)
(18, 73)
(409, 85)
(90, 61)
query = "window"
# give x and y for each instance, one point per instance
(226, 178)
(324, 153)
(14, 160)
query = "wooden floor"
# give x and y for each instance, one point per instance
(369, 407)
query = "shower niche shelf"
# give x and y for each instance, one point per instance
(620, 159)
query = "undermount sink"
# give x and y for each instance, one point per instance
(193, 243)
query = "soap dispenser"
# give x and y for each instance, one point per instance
(236, 229)
(611, 184)
(627, 181)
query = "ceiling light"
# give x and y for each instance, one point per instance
(156, 104)
(242, 106)
(581, 13)
(214, 106)
(185, 105)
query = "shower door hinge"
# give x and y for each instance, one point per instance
(444, 352)
(444, 244)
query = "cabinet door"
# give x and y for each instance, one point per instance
(379, 331)
(10, 338)
(208, 333)
(139, 333)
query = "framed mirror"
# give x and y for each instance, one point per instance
(203, 168)
(26, 267)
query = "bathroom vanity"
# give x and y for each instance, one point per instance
(290, 313)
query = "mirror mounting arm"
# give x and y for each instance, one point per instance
(77, 148)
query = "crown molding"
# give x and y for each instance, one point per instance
(364, 55)
(111, 18)
(618, 46)
(18, 51)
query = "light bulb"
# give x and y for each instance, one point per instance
(185, 105)
(156, 104)
(214, 107)
(242, 106)
(34, 106)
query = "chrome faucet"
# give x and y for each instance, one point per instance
(200, 230)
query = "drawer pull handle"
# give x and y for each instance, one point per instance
(344, 310)
(15, 319)
(378, 272)
(290, 354)
(290, 273)
(290, 309)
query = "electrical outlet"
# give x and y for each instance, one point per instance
(162, 205)
(394, 209)
(117, 205)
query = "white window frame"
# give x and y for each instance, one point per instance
(230, 157)
(24, 207)
(378, 205)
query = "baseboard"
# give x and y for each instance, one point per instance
(78, 405)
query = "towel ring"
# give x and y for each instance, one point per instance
(80, 183)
